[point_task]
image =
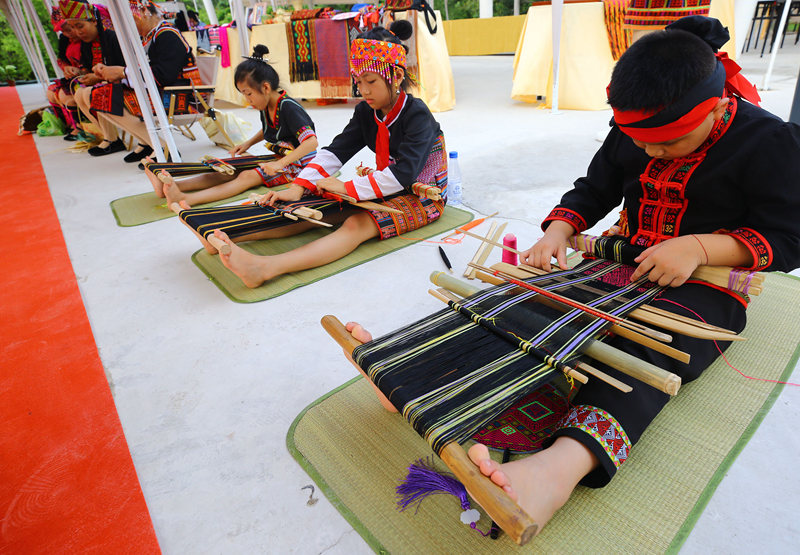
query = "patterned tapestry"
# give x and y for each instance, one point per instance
(302, 43)
(650, 15)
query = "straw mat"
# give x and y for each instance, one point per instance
(233, 287)
(147, 207)
(357, 453)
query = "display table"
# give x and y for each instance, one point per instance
(434, 72)
(585, 60)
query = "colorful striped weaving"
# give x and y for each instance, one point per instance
(178, 169)
(450, 375)
(651, 15)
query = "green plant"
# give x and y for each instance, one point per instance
(8, 72)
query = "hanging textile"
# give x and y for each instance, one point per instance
(302, 44)
(332, 49)
(650, 15)
(619, 38)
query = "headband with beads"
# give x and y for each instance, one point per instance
(376, 55)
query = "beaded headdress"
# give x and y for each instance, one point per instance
(141, 7)
(376, 55)
(56, 18)
(76, 9)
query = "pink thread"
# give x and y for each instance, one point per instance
(723, 354)
(740, 275)
(510, 240)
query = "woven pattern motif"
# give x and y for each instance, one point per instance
(76, 9)
(601, 426)
(656, 14)
(619, 38)
(302, 51)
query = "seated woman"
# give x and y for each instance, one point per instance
(91, 24)
(283, 122)
(172, 63)
(409, 147)
(59, 93)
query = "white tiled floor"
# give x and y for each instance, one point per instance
(206, 389)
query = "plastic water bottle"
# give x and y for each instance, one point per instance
(453, 179)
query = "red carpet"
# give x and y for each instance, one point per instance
(67, 482)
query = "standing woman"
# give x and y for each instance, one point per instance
(409, 148)
(172, 63)
(283, 122)
(99, 45)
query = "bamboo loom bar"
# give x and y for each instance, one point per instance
(485, 248)
(615, 320)
(498, 505)
(657, 346)
(628, 364)
(645, 313)
(719, 275)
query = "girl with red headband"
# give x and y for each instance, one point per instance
(705, 176)
(409, 148)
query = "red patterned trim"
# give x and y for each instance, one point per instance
(351, 189)
(758, 246)
(604, 428)
(306, 183)
(305, 133)
(565, 215)
(320, 169)
(738, 296)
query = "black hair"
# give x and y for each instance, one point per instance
(658, 69)
(256, 71)
(398, 31)
(192, 15)
(180, 22)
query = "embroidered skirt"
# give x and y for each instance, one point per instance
(417, 212)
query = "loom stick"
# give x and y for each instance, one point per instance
(480, 257)
(657, 346)
(600, 375)
(644, 313)
(498, 505)
(718, 276)
(515, 341)
(218, 165)
(627, 364)
(644, 330)
(299, 212)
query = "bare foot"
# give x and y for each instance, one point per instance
(172, 192)
(540, 484)
(158, 186)
(362, 335)
(251, 268)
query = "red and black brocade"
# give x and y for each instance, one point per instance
(740, 182)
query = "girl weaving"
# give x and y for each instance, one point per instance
(283, 122)
(409, 148)
(59, 93)
(705, 178)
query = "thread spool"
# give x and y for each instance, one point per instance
(510, 240)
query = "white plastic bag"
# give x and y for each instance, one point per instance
(234, 130)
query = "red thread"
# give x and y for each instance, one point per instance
(723, 354)
(701, 246)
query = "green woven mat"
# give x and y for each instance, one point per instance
(357, 453)
(147, 207)
(233, 287)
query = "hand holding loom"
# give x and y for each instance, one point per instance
(498, 505)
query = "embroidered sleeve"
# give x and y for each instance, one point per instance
(305, 133)
(377, 184)
(323, 165)
(565, 215)
(759, 247)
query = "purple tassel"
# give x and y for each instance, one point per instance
(423, 480)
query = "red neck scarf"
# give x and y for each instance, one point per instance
(382, 138)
